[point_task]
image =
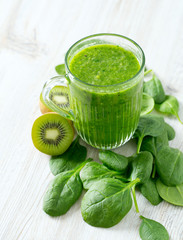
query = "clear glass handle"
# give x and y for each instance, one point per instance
(56, 81)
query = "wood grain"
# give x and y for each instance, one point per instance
(34, 36)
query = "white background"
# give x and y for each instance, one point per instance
(34, 36)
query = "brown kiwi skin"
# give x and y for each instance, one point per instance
(43, 108)
(42, 105)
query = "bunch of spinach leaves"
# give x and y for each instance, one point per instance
(119, 175)
(109, 185)
(167, 175)
(165, 104)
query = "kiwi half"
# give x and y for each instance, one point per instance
(52, 134)
(42, 105)
(59, 95)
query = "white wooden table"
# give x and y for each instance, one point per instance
(34, 35)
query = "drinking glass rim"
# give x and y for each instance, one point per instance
(106, 34)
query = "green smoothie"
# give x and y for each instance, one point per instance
(104, 65)
(106, 107)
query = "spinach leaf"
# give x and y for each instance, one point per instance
(149, 191)
(153, 144)
(170, 131)
(70, 159)
(152, 230)
(169, 164)
(161, 140)
(107, 202)
(147, 104)
(60, 69)
(141, 166)
(113, 160)
(148, 144)
(169, 106)
(155, 89)
(93, 171)
(63, 192)
(173, 195)
(149, 125)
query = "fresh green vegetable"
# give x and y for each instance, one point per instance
(148, 144)
(147, 104)
(153, 145)
(161, 140)
(149, 125)
(70, 159)
(170, 131)
(173, 195)
(155, 89)
(169, 106)
(152, 230)
(141, 166)
(60, 69)
(169, 164)
(113, 160)
(149, 191)
(63, 192)
(93, 171)
(107, 202)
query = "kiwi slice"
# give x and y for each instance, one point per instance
(59, 95)
(52, 134)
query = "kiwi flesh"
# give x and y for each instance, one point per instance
(59, 95)
(52, 134)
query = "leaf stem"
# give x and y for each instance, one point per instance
(134, 199)
(179, 118)
(134, 182)
(121, 178)
(139, 144)
(147, 72)
(78, 169)
(154, 171)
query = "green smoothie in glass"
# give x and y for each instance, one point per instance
(104, 65)
(105, 75)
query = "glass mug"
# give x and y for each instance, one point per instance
(104, 116)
